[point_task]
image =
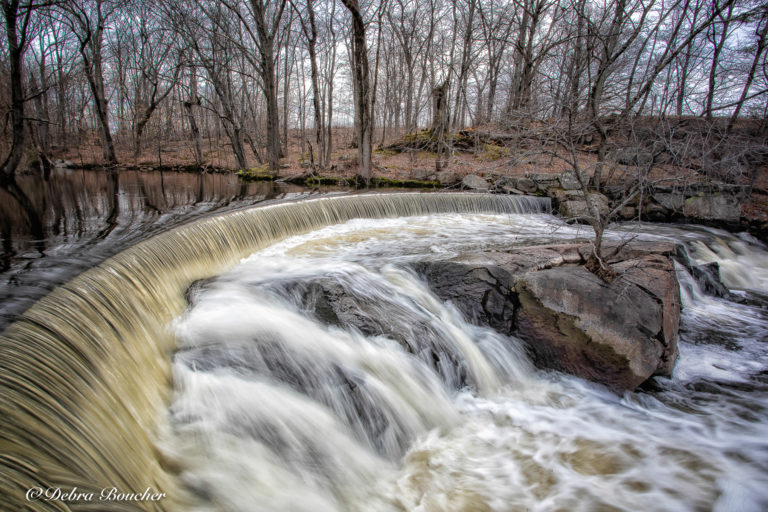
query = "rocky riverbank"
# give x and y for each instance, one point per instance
(710, 203)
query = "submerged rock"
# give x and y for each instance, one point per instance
(618, 334)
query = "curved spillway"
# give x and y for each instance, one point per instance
(85, 372)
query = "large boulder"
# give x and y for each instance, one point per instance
(719, 207)
(670, 200)
(527, 185)
(544, 180)
(475, 182)
(573, 208)
(618, 334)
(569, 180)
(448, 177)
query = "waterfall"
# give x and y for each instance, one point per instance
(85, 372)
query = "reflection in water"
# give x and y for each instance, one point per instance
(88, 216)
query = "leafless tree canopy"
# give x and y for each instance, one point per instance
(245, 72)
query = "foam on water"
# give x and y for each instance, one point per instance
(278, 407)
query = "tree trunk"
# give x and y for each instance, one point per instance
(440, 122)
(16, 52)
(266, 40)
(362, 91)
(90, 50)
(761, 43)
(189, 105)
(718, 48)
(12, 161)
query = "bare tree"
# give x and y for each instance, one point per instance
(17, 16)
(362, 91)
(309, 28)
(156, 63)
(88, 20)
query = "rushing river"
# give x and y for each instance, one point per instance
(279, 408)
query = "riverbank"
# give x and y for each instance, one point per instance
(734, 207)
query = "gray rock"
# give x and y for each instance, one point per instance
(655, 212)
(619, 333)
(448, 177)
(713, 207)
(423, 174)
(546, 178)
(561, 195)
(504, 181)
(628, 213)
(474, 182)
(334, 303)
(633, 156)
(479, 290)
(527, 185)
(569, 181)
(575, 208)
(670, 201)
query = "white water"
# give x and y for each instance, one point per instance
(276, 410)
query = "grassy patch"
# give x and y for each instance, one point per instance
(376, 182)
(255, 174)
(492, 152)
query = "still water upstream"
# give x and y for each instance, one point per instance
(87, 216)
(278, 408)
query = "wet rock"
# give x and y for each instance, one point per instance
(708, 278)
(475, 182)
(336, 303)
(196, 289)
(618, 334)
(480, 290)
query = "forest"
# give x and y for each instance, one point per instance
(279, 83)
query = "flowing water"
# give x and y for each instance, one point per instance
(86, 216)
(278, 406)
(252, 395)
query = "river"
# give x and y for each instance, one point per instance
(276, 408)
(240, 393)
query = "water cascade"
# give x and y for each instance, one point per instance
(85, 373)
(321, 374)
